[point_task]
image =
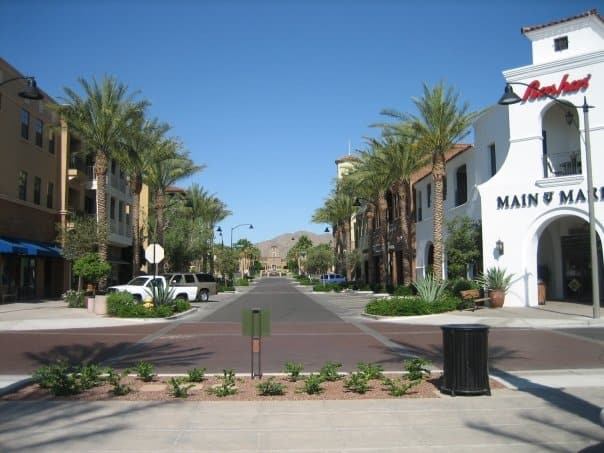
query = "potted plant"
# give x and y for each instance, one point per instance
(497, 282)
(92, 269)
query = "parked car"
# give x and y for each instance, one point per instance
(205, 283)
(141, 288)
(332, 278)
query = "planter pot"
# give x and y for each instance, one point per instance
(100, 304)
(496, 298)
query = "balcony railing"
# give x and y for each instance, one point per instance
(562, 164)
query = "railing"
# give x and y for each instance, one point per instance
(562, 164)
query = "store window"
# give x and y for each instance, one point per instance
(39, 131)
(25, 124)
(37, 189)
(461, 186)
(22, 185)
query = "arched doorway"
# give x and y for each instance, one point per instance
(429, 259)
(563, 259)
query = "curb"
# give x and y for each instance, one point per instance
(17, 385)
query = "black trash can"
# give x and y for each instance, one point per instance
(465, 349)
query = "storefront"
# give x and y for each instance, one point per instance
(534, 207)
(29, 269)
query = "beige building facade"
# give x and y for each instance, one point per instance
(44, 178)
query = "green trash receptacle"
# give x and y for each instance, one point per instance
(465, 350)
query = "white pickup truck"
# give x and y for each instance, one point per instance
(141, 288)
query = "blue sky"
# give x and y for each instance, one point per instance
(268, 94)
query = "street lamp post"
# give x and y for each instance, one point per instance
(508, 98)
(31, 91)
(237, 226)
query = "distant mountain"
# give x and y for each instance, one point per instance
(284, 242)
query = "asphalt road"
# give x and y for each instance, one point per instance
(306, 328)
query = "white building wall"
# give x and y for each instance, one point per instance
(519, 203)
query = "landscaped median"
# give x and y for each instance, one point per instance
(92, 382)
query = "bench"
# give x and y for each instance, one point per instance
(471, 298)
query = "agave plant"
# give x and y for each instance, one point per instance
(495, 278)
(430, 289)
(161, 295)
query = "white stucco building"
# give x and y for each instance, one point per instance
(525, 176)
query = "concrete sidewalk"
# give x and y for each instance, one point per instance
(540, 420)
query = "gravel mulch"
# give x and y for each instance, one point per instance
(159, 390)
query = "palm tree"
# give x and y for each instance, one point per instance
(165, 172)
(441, 123)
(136, 158)
(337, 211)
(373, 179)
(400, 151)
(209, 210)
(102, 118)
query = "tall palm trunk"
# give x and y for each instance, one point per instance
(346, 226)
(101, 202)
(405, 222)
(370, 269)
(136, 186)
(382, 212)
(159, 223)
(438, 173)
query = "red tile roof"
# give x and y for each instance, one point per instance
(426, 170)
(593, 12)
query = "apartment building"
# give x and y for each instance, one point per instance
(43, 178)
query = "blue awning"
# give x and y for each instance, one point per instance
(29, 248)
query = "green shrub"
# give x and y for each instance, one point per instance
(415, 369)
(115, 379)
(75, 299)
(197, 374)
(429, 288)
(145, 371)
(228, 385)
(161, 296)
(411, 306)
(357, 383)
(312, 384)
(329, 371)
(179, 388)
(242, 282)
(461, 284)
(398, 387)
(270, 388)
(90, 375)
(404, 291)
(60, 378)
(328, 287)
(371, 370)
(294, 370)
(124, 305)
(181, 305)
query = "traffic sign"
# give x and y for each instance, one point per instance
(154, 253)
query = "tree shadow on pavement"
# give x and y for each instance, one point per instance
(123, 355)
(51, 425)
(571, 404)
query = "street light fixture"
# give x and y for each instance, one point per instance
(508, 98)
(237, 226)
(31, 91)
